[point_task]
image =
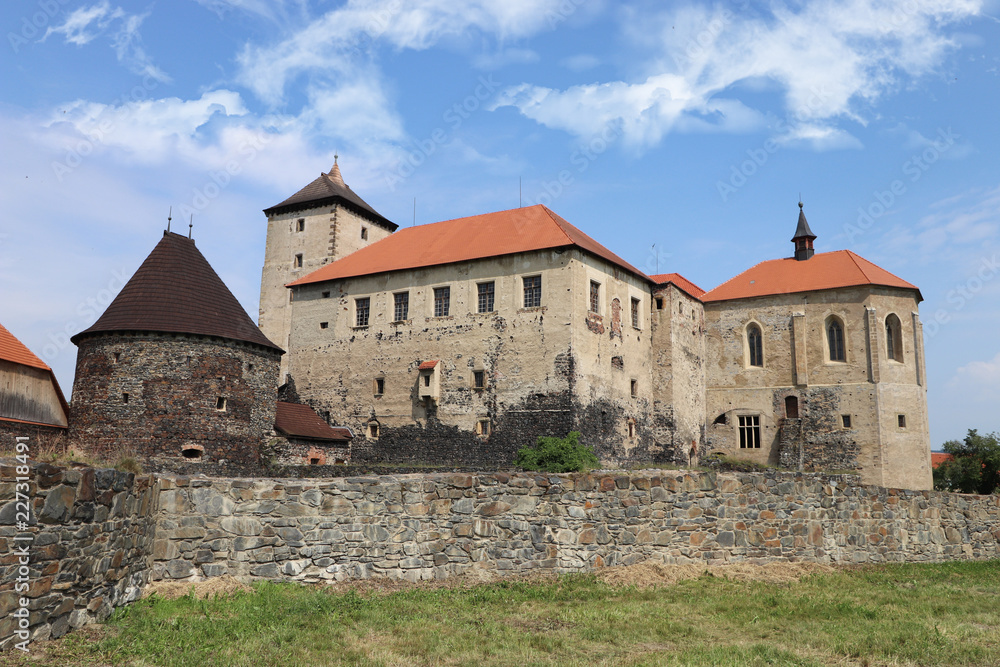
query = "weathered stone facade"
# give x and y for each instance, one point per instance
(90, 547)
(175, 395)
(866, 413)
(436, 526)
(542, 370)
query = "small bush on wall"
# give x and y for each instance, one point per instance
(551, 454)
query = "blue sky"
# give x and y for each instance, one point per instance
(680, 135)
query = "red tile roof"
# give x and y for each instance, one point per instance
(682, 283)
(427, 365)
(14, 351)
(176, 290)
(937, 458)
(301, 421)
(325, 190)
(463, 239)
(828, 270)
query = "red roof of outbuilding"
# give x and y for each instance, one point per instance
(14, 351)
(463, 239)
(937, 458)
(680, 282)
(176, 290)
(427, 365)
(828, 270)
(298, 420)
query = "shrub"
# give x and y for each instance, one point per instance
(975, 467)
(551, 454)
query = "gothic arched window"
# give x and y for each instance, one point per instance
(755, 343)
(893, 338)
(835, 340)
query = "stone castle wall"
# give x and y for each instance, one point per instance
(90, 547)
(435, 526)
(160, 394)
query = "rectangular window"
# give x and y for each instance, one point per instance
(125, 397)
(427, 379)
(373, 430)
(635, 388)
(595, 297)
(361, 309)
(478, 379)
(220, 404)
(749, 431)
(901, 420)
(400, 306)
(324, 325)
(442, 301)
(379, 386)
(846, 420)
(300, 225)
(532, 292)
(364, 233)
(659, 303)
(485, 297)
(483, 428)
(326, 295)
(298, 261)
(635, 313)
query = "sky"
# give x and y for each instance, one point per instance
(680, 135)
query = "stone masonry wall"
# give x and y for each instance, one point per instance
(434, 526)
(91, 538)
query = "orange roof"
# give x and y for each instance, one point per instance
(463, 239)
(427, 365)
(298, 420)
(682, 283)
(937, 458)
(827, 270)
(14, 351)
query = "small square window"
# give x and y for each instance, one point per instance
(634, 388)
(659, 303)
(846, 419)
(749, 428)
(901, 420)
(326, 295)
(379, 386)
(427, 379)
(118, 356)
(478, 379)
(373, 431)
(220, 404)
(298, 261)
(364, 233)
(483, 428)
(125, 397)
(300, 225)
(324, 325)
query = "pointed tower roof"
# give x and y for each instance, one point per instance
(176, 290)
(802, 230)
(329, 189)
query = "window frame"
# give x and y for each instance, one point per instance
(442, 301)
(297, 261)
(836, 345)
(479, 379)
(749, 430)
(635, 306)
(481, 293)
(400, 306)
(893, 338)
(532, 292)
(358, 311)
(378, 386)
(594, 304)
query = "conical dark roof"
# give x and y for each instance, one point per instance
(802, 229)
(176, 290)
(329, 189)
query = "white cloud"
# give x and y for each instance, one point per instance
(829, 60)
(979, 380)
(85, 24)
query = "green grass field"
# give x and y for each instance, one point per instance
(941, 614)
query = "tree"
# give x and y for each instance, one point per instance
(552, 454)
(975, 468)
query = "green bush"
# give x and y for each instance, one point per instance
(552, 454)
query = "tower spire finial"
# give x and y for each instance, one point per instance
(170, 214)
(804, 237)
(334, 174)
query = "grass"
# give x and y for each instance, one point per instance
(937, 614)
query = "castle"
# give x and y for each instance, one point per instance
(464, 340)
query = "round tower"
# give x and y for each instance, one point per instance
(175, 367)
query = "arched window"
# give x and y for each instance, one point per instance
(755, 343)
(835, 340)
(893, 338)
(791, 407)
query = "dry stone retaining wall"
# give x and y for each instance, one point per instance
(434, 526)
(91, 539)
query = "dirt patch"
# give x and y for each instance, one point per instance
(222, 586)
(655, 573)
